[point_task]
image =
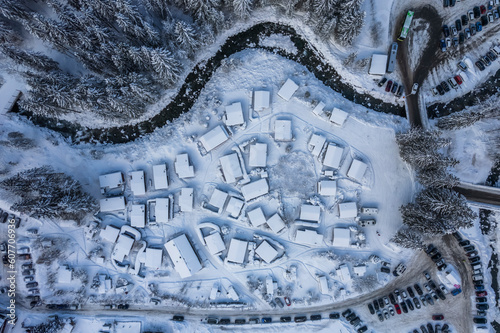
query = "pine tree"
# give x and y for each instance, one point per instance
(408, 238)
(186, 36)
(459, 120)
(242, 8)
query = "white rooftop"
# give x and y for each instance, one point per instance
(153, 258)
(288, 89)
(185, 261)
(310, 213)
(186, 198)
(275, 223)
(255, 189)
(137, 184)
(333, 156)
(309, 237)
(218, 199)
(359, 270)
(231, 168)
(138, 216)
(378, 65)
(338, 116)
(343, 273)
(112, 204)
(237, 251)
(213, 138)
(234, 206)
(266, 251)
(258, 155)
(261, 100)
(327, 187)
(162, 208)
(215, 243)
(110, 233)
(348, 210)
(341, 237)
(234, 114)
(317, 142)
(256, 217)
(182, 167)
(64, 275)
(357, 170)
(122, 247)
(283, 130)
(318, 109)
(160, 176)
(111, 180)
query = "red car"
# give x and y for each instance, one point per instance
(398, 309)
(481, 293)
(483, 9)
(458, 79)
(388, 86)
(287, 301)
(437, 317)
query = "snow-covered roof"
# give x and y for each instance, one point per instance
(215, 243)
(64, 275)
(348, 210)
(153, 258)
(333, 156)
(231, 293)
(255, 189)
(234, 114)
(186, 198)
(112, 204)
(234, 206)
(318, 109)
(138, 216)
(344, 273)
(137, 184)
(275, 223)
(288, 89)
(359, 270)
(185, 261)
(231, 167)
(237, 251)
(323, 284)
(122, 247)
(111, 180)
(341, 237)
(309, 237)
(283, 130)
(128, 327)
(110, 233)
(182, 167)
(160, 176)
(317, 142)
(378, 64)
(256, 217)
(266, 251)
(213, 138)
(357, 170)
(338, 116)
(162, 208)
(261, 100)
(327, 187)
(453, 277)
(218, 199)
(310, 213)
(258, 155)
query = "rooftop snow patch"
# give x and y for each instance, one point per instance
(160, 177)
(112, 204)
(288, 89)
(182, 167)
(258, 155)
(231, 168)
(266, 251)
(185, 261)
(378, 64)
(309, 237)
(214, 138)
(186, 199)
(111, 181)
(357, 170)
(338, 116)
(234, 114)
(234, 207)
(333, 156)
(348, 210)
(261, 99)
(122, 247)
(310, 213)
(215, 243)
(283, 130)
(218, 199)
(255, 189)
(256, 217)
(153, 258)
(275, 223)
(137, 184)
(138, 216)
(110, 233)
(341, 237)
(237, 251)
(327, 187)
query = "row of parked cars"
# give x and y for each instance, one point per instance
(488, 58)
(436, 257)
(392, 86)
(477, 278)
(433, 328)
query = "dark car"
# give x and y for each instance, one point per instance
(478, 258)
(481, 299)
(362, 329)
(472, 254)
(316, 317)
(417, 302)
(442, 267)
(4, 217)
(240, 321)
(123, 306)
(464, 242)
(484, 20)
(477, 282)
(430, 328)
(418, 289)
(400, 91)
(253, 320)
(472, 28)
(478, 320)
(32, 285)
(346, 313)
(482, 306)
(394, 87)
(432, 251)
(469, 248)
(479, 287)
(446, 3)
(381, 303)
(445, 86)
(458, 24)
(385, 270)
(483, 10)
(423, 329)
(334, 315)
(491, 56)
(224, 321)
(446, 31)
(382, 82)
(375, 305)
(392, 299)
(286, 319)
(404, 307)
(410, 292)
(461, 38)
(410, 305)
(480, 65)
(178, 318)
(388, 86)
(479, 26)
(212, 321)
(351, 316)
(440, 90)
(370, 307)
(438, 317)
(438, 255)
(477, 12)
(486, 60)
(465, 20)
(455, 41)
(456, 234)
(300, 319)
(440, 294)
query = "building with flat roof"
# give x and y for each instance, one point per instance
(186, 199)
(287, 90)
(234, 207)
(256, 217)
(333, 156)
(266, 251)
(261, 100)
(185, 260)
(348, 210)
(218, 200)
(310, 213)
(237, 251)
(327, 187)
(112, 204)
(111, 181)
(276, 223)
(138, 216)
(137, 183)
(282, 130)
(153, 258)
(357, 170)
(258, 155)
(214, 138)
(182, 167)
(231, 168)
(214, 243)
(378, 65)
(160, 177)
(234, 114)
(341, 237)
(255, 189)
(309, 237)
(338, 116)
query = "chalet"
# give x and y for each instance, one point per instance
(276, 223)
(310, 213)
(182, 167)
(258, 155)
(283, 130)
(112, 204)
(185, 260)
(266, 251)
(111, 182)
(138, 216)
(137, 183)
(231, 168)
(261, 100)
(341, 237)
(186, 199)
(237, 251)
(153, 258)
(288, 89)
(234, 114)
(327, 187)
(160, 176)
(214, 138)
(357, 170)
(338, 116)
(255, 189)
(348, 210)
(256, 217)
(214, 243)
(333, 156)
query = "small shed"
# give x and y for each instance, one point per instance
(261, 100)
(215, 243)
(237, 251)
(153, 258)
(338, 116)
(333, 156)
(186, 199)
(341, 237)
(214, 138)
(218, 199)
(256, 217)
(276, 223)
(137, 183)
(310, 213)
(357, 170)
(309, 237)
(327, 187)
(316, 143)
(255, 189)
(160, 176)
(283, 130)
(348, 210)
(288, 89)
(234, 207)
(182, 167)
(266, 251)
(112, 204)
(231, 168)
(378, 64)
(234, 114)
(138, 216)
(258, 155)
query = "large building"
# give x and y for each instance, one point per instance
(138, 216)
(283, 130)
(185, 260)
(357, 170)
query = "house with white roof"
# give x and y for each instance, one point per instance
(338, 116)
(234, 207)
(185, 260)
(214, 243)
(137, 183)
(318, 109)
(237, 251)
(288, 89)
(255, 189)
(112, 204)
(327, 187)
(110, 233)
(64, 275)
(182, 167)
(341, 237)
(218, 200)
(343, 273)
(234, 114)
(348, 210)
(261, 100)
(231, 168)
(357, 170)
(138, 216)
(159, 210)
(111, 181)
(310, 213)
(359, 270)
(214, 138)
(323, 284)
(276, 223)
(153, 258)
(282, 130)
(333, 156)
(258, 155)
(186, 199)
(122, 247)
(256, 217)
(308, 237)
(160, 177)
(266, 251)
(316, 143)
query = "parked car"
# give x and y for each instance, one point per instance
(491, 56)
(490, 5)
(496, 14)
(267, 320)
(477, 12)
(240, 321)
(448, 42)
(316, 317)
(404, 307)
(466, 241)
(482, 306)
(476, 282)
(28, 279)
(480, 65)
(481, 300)
(398, 309)
(370, 308)
(469, 248)
(405, 295)
(375, 305)
(477, 277)
(286, 319)
(394, 87)
(418, 289)
(431, 250)
(480, 320)
(429, 299)
(473, 29)
(430, 328)
(388, 86)
(483, 10)
(471, 14)
(458, 25)
(465, 20)
(461, 38)
(446, 31)
(423, 329)
(178, 318)
(443, 288)
(441, 266)
(440, 294)
(441, 262)
(334, 315)
(382, 82)
(28, 272)
(491, 18)
(438, 255)
(300, 319)
(391, 311)
(481, 293)
(479, 26)
(454, 31)
(426, 274)
(484, 20)
(467, 33)
(410, 304)
(440, 90)
(423, 300)
(445, 86)
(399, 93)
(32, 285)
(479, 287)
(416, 302)
(438, 317)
